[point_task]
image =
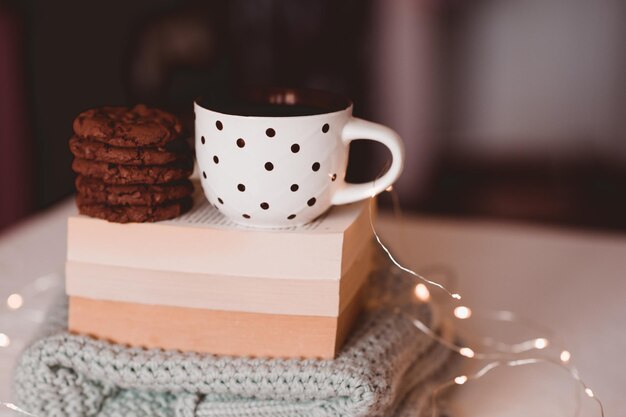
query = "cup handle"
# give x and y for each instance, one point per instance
(362, 129)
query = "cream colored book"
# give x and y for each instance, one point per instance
(307, 297)
(204, 242)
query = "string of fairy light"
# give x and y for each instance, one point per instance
(507, 355)
(502, 358)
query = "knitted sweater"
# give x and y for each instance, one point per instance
(386, 369)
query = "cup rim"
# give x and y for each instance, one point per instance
(327, 101)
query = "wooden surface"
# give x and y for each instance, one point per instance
(572, 282)
(212, 331)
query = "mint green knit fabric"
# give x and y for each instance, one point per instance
(387, 368)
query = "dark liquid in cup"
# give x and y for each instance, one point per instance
(274, 102)
(268, 110)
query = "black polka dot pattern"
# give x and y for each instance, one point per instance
(269, 166)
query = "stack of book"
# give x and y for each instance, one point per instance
(201, 283)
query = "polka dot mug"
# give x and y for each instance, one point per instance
(277, 157)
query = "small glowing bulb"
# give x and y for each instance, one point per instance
(589, 392)
(462, 312)
(456, 296)
(565, 356)
(389, 189)
(467, 352)
(4, 340)
(15, 301)
(421, 292)
(460, 380)
(541, 343)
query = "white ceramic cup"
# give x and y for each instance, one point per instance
(266, 161)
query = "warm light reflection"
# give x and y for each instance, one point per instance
(589, 392)
(4, 340)
(462, 312)
(565, 356)
(541, 343)
(467, 352)
(15, 301)
(422, 293)
(460, 380)
(389, 189)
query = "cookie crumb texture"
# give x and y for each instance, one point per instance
(134, 214)
(172, 152)
(128, 127)
(110, 173)
(133, 164)
(93, 190)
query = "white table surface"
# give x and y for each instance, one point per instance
(572, 282)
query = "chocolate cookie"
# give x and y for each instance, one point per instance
(121, 126)
(132, 174)
(95, 191)
(177, 151)
(134, 214)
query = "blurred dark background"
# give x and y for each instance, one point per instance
(510, 109)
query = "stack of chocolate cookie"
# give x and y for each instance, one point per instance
(133, 164)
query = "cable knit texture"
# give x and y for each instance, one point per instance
(385, 369)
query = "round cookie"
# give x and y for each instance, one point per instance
(128, 127)
(177, 151)
(93, 190)
(132, 174)
(134, 214)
